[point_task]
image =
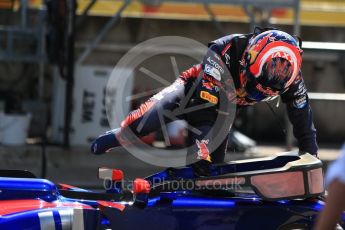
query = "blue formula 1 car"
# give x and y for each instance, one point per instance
(281, 192)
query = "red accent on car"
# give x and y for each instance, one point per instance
(66, 186)
(315, 181)
(108, 204)
(14, 206)
(276, 185)
(141, 186)
(73, 205)
(116, 174)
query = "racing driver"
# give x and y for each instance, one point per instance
(261, 66)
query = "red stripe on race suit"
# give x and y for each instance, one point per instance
(194, 72)
(14, 206)
(227, 47)
(135, 114)
(191, 73)
(146, 106)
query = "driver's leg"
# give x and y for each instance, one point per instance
(208, 138)
(202, 151)
(144, 120)
(218, 155)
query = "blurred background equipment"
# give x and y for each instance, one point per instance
(90, 117)
(238, 142)
(14, 128)
(60, 49)
(22, 56)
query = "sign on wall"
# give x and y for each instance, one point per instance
(89, 116)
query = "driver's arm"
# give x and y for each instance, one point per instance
(300, 115)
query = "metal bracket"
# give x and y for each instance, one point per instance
(26, 34)
(103, 32)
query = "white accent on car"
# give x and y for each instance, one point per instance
(66, 216)
(105, 173)
(78, 219)
(47, 221)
